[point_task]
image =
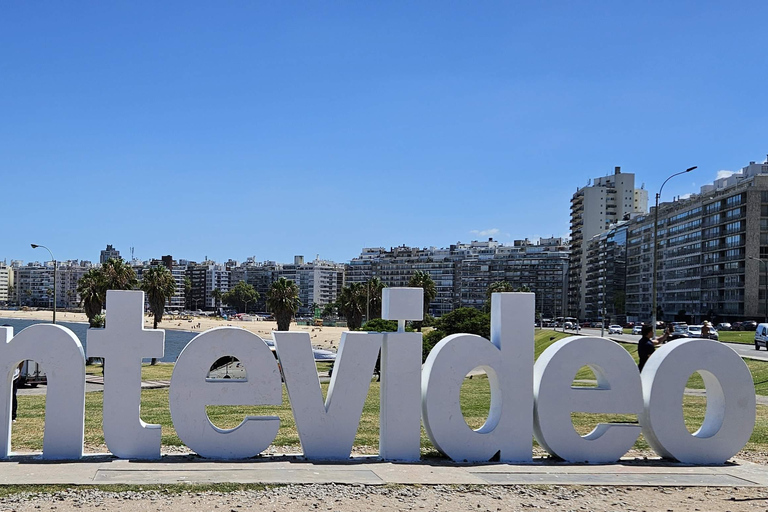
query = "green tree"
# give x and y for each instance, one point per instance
(329, 309)
(118, 275)
(240, 296)
(217, 295)
(91, 290)
(351, 304)
(422, 280)
(497, 287)
(375, 287)
(187, 292)
(159, 285)
(283, 302)
(462, 320)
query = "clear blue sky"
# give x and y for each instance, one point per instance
(268, 129)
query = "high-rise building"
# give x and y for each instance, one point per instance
(606, 275)
(110, 253)
(710, 249)
(462, 273)
(594, 208)
(6, 283)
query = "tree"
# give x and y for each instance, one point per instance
(240, 296)
(187, 292)
(375, 287)
(159, 285)
(91, 290)
(499, 287)
(283, 302)
(217, 295)
(351, 304)
(422, 280)
(118, 275)
(462, 320)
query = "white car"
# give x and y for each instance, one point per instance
(637, 329)
(615, 329)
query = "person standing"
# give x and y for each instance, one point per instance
(647, 344)
(16, 379)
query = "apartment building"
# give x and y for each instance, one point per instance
(6, 283)
(463, 271)
(33, 284)
(110, 253)
(594, 208)
(68, 273)
(607, 275)
(710, 249)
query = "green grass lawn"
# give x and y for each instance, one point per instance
(745, 337)
(475, 400)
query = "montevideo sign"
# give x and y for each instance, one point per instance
(528, 399)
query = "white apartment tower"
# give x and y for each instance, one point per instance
(594, 208)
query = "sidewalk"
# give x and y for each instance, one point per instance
(174, 469)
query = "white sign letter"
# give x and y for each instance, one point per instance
(327, 431)
(618, 391)
(730, 415)
(60, 353)
(508, 361)
(191, 391)
(400, 391)
(123, 344)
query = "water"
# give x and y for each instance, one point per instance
(175, 341)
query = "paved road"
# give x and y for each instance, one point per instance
(747, 351)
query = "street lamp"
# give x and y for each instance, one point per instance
(765, 299)
(35, 246)
(656, 245)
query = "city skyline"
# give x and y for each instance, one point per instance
(274, 130)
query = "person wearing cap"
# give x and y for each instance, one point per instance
(705, 328)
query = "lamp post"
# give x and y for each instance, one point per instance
(765, 299)
(35, 246)
(656, 246)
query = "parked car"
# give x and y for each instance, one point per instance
(615, 329)
(637, 329)
(761, 336)
(723, 326)
(736, 326)
(694, 331)
(749, 325)
(679, 330)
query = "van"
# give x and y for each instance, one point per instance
(761, 336)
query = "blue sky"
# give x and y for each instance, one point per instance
(270, 129)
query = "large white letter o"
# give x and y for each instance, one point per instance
(730, 415)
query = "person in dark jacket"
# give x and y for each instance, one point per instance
(647, 344)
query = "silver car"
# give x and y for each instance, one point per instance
(615, 329)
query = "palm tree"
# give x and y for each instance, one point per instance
(375, 287)
(351, 304)
(90, 287)
(217, 295)
(283, 302)
(117, 275)
(422, 280)
(497, 287)
(159, 285)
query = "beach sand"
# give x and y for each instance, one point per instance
(321, 337)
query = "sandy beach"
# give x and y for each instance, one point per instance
(322, 337)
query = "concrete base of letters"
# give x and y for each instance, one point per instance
(175, 469)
